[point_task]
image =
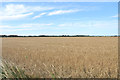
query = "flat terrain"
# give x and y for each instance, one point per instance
(63, 56)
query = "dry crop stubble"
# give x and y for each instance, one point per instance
(64, 56)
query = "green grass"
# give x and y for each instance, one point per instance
(9, 70)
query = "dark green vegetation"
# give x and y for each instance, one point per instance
(56, 36)
(9, 70)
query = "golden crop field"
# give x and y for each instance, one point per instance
(76, 57)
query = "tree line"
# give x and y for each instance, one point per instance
(56, 36)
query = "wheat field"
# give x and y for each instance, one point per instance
(63, 57)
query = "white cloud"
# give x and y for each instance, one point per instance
(4, 26)
(115, 16)
(9, 29)
(90, 24)
(39, 15)
(16, 11)
(71, 24)
(59, 1)
(26, 26)
(14, 17)
(23, 27)
(35, 25)
(62, 12)
(55, 13)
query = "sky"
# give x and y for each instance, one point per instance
(59, 0)
(59, 18)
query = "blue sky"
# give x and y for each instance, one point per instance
(58, 18)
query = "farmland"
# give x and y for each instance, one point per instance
(76, 57)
